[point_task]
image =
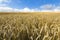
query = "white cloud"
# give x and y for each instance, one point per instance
(4, 1)
(43, 8)
(57, 9)
(8, 9)
(50, 8)
(4, 7)
(47, 7)
(26, 9)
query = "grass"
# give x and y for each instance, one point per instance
(30, 26)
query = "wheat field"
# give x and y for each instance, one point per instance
(30, 26)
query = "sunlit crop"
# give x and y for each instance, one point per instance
(30, 26)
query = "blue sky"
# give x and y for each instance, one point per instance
(32, 3)
(26, 5)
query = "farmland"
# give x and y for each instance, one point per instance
(30, 26)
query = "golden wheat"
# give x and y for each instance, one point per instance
(30, 26)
